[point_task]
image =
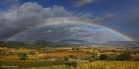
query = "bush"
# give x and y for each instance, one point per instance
(70, 55)
(112, 57)
(93, 55)
(103, 57)
(71, 63)
(22, 56)
(136, 59)
(66, 59)
(124, 56)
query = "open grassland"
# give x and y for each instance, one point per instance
(99, 65)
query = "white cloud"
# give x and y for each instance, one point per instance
(32, 13)
(30, 7)
(81, 3)
(104, 18)
(109, 15)
(98, 19)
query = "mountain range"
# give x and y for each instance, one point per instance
(73, 41)
(64, 43)
(120, 43)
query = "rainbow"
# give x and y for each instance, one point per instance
(69, 22)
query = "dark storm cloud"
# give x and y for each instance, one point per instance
(132, 22)
(127, 23)
(69, 31)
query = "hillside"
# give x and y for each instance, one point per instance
(73, 41)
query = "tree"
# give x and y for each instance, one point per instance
(124, 56)
(73, 49)
(22, 56)
(103, 57)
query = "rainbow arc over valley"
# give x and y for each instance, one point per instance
(69, 22)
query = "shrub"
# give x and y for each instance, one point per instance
(136, 59)
(93, 55)
(71, 63)
(103, 57)
(70, 55)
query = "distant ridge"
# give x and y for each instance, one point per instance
(119, 43)
(42, 41)
(73, 41)
(14, 44)
(64, 43)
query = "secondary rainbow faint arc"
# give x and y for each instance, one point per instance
(69, 22)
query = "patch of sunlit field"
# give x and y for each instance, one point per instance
(11, 57)
(99, 65)
(65, 48)
(15, 57)
(135, 57)
(36, 57)
(22, 50)
(63, 54)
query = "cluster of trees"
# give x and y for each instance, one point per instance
(124, 56)
(75, 48)
(121, 57)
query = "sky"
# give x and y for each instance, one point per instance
(119, 15)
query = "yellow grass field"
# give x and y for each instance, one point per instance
(22, 50)
(15, 57)
(100, 65)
